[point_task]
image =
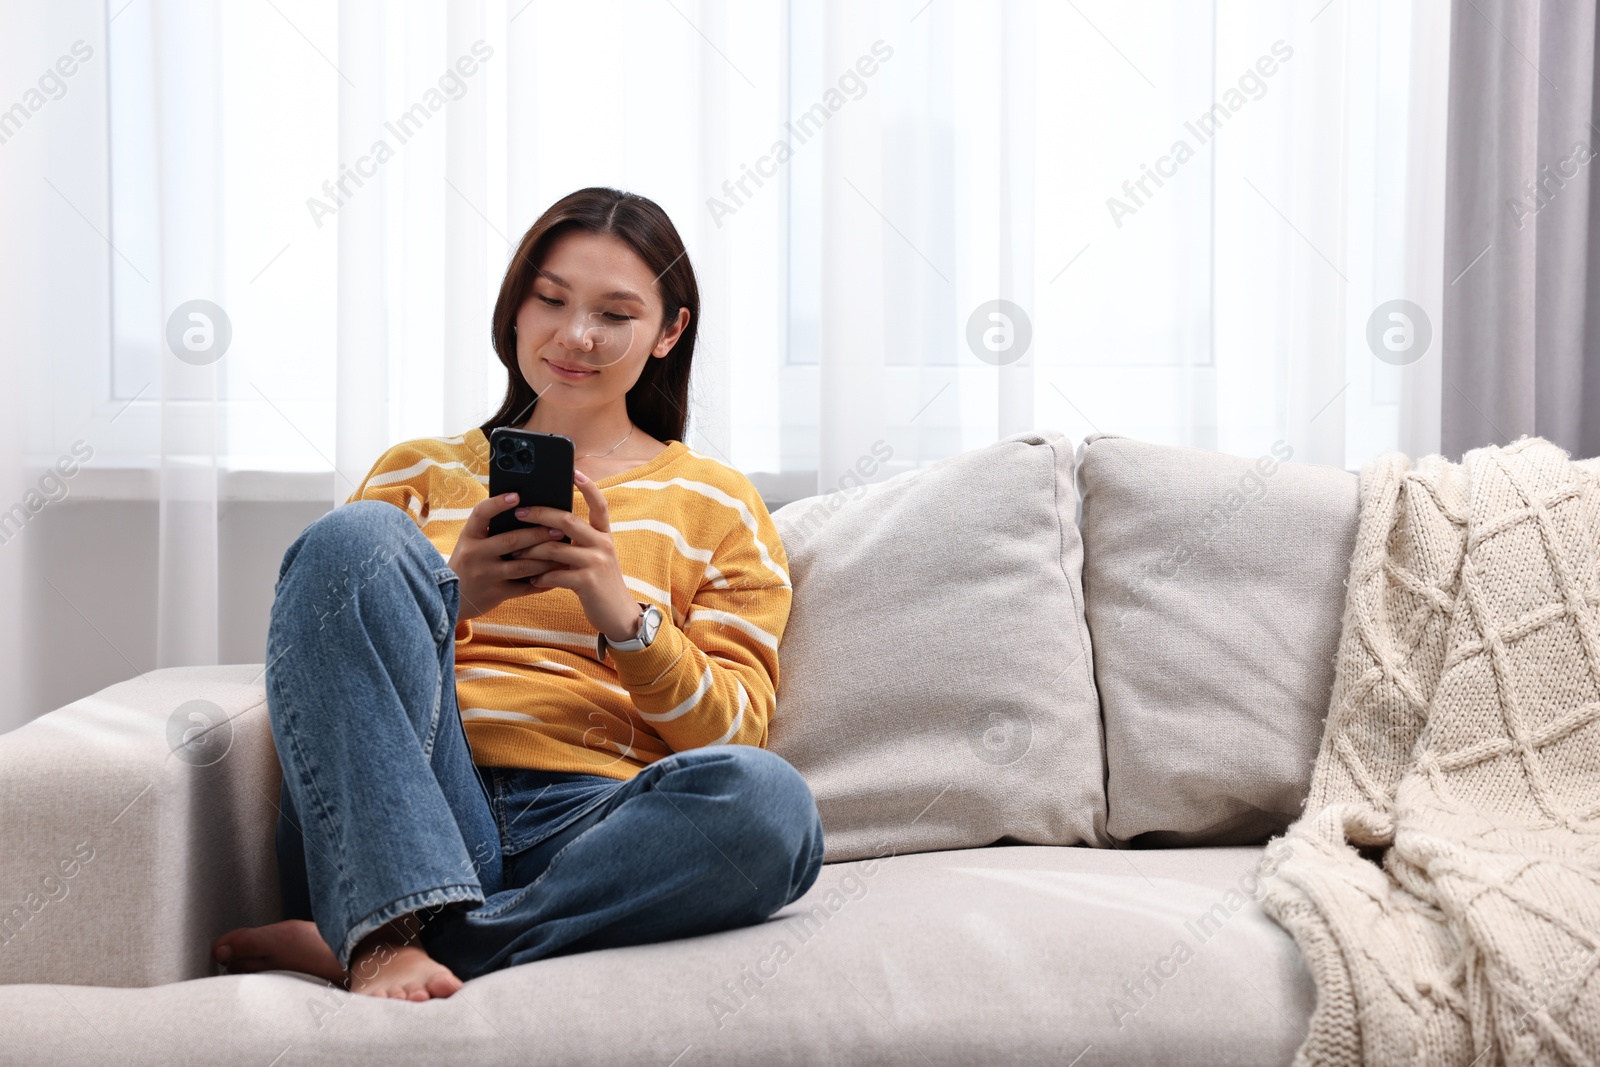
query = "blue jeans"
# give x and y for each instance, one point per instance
(383, 812)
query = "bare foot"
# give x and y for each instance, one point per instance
(390, 963)
(401, 972)
(292, 945)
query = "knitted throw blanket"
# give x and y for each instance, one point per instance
(1443, 882)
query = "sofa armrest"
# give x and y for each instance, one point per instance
(136, 825)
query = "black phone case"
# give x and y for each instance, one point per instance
(536, 466)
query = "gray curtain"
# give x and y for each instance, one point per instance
(1520, 339)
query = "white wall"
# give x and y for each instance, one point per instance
(91, 565)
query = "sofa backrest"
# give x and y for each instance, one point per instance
(971, 658)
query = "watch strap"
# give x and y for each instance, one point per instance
(633, 644)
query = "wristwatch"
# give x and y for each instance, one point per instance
(649, 623)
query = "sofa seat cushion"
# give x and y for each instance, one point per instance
(1015, 954)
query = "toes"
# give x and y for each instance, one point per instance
(443, 984)
(237, 948)
(418, 980)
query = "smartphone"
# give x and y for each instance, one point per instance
(535, 466)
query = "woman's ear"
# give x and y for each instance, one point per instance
(670, 336)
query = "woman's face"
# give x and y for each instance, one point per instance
(590, 322)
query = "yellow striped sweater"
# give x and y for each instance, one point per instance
(692, 537)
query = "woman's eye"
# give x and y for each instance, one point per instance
(551, 301)
(614, 317)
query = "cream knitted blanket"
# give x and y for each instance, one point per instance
(1462, 752)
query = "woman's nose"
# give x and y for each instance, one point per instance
(579, 332)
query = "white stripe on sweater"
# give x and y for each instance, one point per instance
(390, 477)
(617, 689)
(699, 555)
(499, 714)
(469, 674)
(712, 492)
(686, 706)
(737, 621)
(530, 636)
(472, 674)
(738, 720)
(654, 592)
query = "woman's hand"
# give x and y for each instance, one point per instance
(486, 580)
(588, 566)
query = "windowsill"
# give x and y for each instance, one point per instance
(94, 481)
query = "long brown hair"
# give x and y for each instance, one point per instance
(658, 403)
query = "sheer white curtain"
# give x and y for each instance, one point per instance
(858, 184)
(1013, 151)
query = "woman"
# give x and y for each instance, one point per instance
(583, 793)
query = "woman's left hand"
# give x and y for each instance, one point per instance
(588, 566)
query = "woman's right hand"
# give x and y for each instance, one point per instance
(486, 580)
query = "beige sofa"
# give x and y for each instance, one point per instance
(1049, 740)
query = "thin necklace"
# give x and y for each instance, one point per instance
(613, 448)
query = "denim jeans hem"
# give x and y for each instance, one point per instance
(429, 898)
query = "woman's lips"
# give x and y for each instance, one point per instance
(569, 375)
